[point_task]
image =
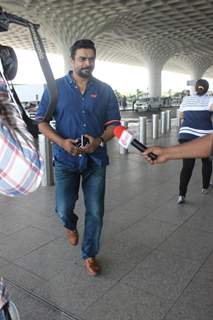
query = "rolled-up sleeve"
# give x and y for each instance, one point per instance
(113, 114)
(43, 106)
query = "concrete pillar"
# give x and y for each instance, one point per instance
(195, 75)
(67, 62)
(154, 79)
(66, 55)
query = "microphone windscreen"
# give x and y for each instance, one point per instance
(118, 130)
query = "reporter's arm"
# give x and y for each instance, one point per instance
(198, 148)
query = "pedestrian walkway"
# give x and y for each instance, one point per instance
(157, 257)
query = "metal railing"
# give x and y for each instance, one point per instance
(45, 148)
(159, 126)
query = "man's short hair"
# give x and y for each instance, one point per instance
(83, 43)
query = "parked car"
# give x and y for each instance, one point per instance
(141, 104)
(148, 104)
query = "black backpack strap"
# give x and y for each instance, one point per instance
(51, 83)
(32, 125)
(6, 312)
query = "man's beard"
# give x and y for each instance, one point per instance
(85, 73)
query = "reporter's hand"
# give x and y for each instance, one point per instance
(69, 146)
(91, 146)
(159, 151)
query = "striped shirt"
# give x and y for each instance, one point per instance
(197, 117)
(21, 167)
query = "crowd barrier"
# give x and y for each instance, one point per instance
(159, 126)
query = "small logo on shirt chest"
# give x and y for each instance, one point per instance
(93, 95)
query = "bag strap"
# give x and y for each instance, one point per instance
(6, 312)
(32, 125)
(5, 20)
(51, 83)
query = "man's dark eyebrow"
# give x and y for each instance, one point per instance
(83, 57)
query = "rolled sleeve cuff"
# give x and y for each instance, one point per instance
(112, 122)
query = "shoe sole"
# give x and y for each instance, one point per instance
(92, 274)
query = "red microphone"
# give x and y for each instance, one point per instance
(125, 139)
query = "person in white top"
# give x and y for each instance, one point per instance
(196, 123)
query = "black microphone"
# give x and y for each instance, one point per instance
(125, 139)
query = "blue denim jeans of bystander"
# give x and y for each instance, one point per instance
(93, 186)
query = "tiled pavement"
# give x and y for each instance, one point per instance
(157, 257)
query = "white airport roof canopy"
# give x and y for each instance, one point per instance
(172, 34)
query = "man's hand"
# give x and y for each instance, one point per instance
(69, 146)
(91, 146)
(161, 153)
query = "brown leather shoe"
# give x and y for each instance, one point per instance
(92, 266)
(72, 236)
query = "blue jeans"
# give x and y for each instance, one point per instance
(93, 186)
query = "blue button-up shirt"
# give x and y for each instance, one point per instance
(77, 114)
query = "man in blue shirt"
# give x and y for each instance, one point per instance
(86, 107)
